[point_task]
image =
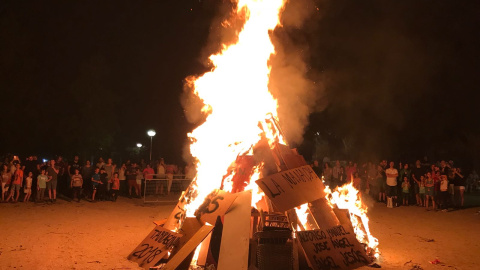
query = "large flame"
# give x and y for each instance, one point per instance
(236, 97)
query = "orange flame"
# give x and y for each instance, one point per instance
(236, 98)
(348, 197)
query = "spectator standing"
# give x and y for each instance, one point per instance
(102, 187)
(327, 173)
(429, 191)
(335, 173)
(132, 180)
(404, 172)
(115, 186)
(392, 175)
(405, 190)
(52, 172)
(95, 182)
(381, 183)
(62, 176)
(74, 165)
(417, 172)
(350, 170)
(28, 187)
(421, 191)
(169, 171)
(42, 180)
(148, 174)
(122, 178)
(109, 169)
(316, 168)
(100, 163)
(16, 184)
(76, 183)
(6, 178)
(87, 173)
(443, 192)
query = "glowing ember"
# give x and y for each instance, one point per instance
(236, 97)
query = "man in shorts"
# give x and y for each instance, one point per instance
(392, 175)
(52, 172)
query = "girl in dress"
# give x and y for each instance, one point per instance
(429, 191)
(421, 191)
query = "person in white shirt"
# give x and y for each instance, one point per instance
(392, 175)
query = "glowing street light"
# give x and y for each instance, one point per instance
(139, 145)
(151, 133)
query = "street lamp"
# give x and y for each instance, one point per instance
(139, 145)
(151, 133)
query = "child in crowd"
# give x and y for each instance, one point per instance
(42, 180)
(115, 186)
(28, 187)
(429, 191)
(95, 182)
(444, 192)
(405, 190)
(102, 187)
(421, 191)
(76, 183)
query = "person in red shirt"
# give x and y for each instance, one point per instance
(16, 184)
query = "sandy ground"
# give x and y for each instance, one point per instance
(70, 235)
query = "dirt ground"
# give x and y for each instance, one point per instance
(70, 235)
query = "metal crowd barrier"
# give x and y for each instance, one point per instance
(152, 188)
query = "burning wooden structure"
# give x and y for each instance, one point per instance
(254, 203)
(228, 233)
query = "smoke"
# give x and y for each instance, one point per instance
(297, 87)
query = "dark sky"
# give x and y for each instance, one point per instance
(400, 78)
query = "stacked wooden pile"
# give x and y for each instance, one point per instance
(233, 235)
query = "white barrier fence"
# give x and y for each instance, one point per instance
(164, 189)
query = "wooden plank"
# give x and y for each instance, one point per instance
(154, 247)
(323, 214)
(188, 248)
(203, 254)
(333, 248)
(235, 237)
(216, 204)
(288, 189)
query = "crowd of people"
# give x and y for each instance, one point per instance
(34, 180)
(436, 186)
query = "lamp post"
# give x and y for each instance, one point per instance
(151, 133)
(139, 145)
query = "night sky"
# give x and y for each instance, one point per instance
(397, 79)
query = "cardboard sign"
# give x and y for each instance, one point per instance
(215, 204)
(154, 247)
(333, 248)
(188, 248)
(292, 188)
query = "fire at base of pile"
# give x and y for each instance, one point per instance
(295, 223)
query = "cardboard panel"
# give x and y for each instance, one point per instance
(292, 188)
(215, 204)
(333, 248)
(154, 247)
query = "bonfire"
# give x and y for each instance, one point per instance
(248, 180)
